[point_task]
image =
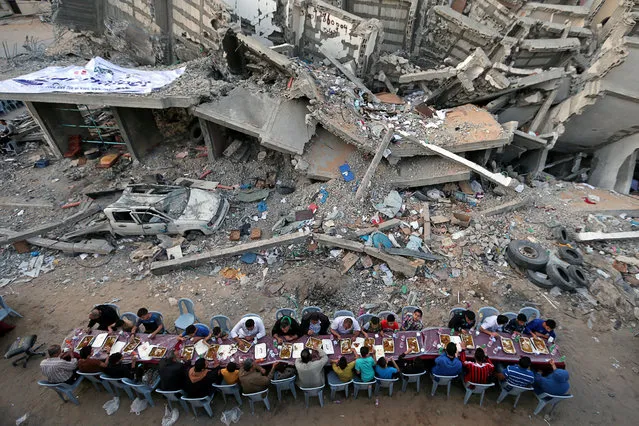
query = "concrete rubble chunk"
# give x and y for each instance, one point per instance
(429, 75)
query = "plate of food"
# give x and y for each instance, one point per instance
(314, 343)
(526, 345)
(540, 345)
(211, 353)
(131, 346)
(345, 346)
(444, 339)
(157, 352)
(187, 352)
(508, 346)
(468, 341)
(86, 341)
(389, 345)
(412, 344)
(286, 351)
(109, 342)
(244, 346)
(370, 342)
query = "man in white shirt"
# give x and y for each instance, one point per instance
(345, 325)
(492, 324)
(248, 327)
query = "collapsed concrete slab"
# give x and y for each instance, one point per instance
(324, 153)
(425, 171)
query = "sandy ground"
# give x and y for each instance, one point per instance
(13, 31)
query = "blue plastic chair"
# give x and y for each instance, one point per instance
(359, 385)
(261, 396)
(479, 389)
(94, 378)
(283, 385)
(173, 396)
(285, 312)
(221, 321)
(64, 391)
(203, 325)
(164, 330)
(530, 312)
(412, 378)
(230, 390)
(337, 385)
(309, 309)
(510, 315)
(6, 310)
(444, 381)
(130, 316)
(113, 305)
(485, 312)
(204, 402)
(114, 385)
(455, 311)
(382, 315)
(310, 392)
(408, 310)
(187, 314)
(251, 315)
(143, 389)
(343, 313)
(516, 391)
(546, 398)
(364, 318)
(385, 383)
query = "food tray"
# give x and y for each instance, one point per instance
(211, 354)
(412, 344)
(508, 346)
(526, 345)
(86, 341)
(109, 342)
(314, 343)
(444, 339)
(345, 346)
(540, 345)
(244, 346)
(187, 352)
(370, 342)
(131, 346)
(389, 345)
(260, 351)
(286, 351)
(157, 352)
(468, 341)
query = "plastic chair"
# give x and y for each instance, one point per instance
(130, 316)
(343, 313)
(114, 385)
(251, 315)
(309, 392)
(187, 314)
(443, 380)
(221, 321)
(546, 398)
(364, 318)
(530, 312)
(337, 385)
(203, 325)
(283, 385)
(357, 385)
(6, 310)
(174, 396)
(261, 396)
(309, 309)
(455, 311)
(485, 312)
(478, 389)
(230, 390)
(382, 315)
(510, 315)
(113, 305)
(385, 383)
(285, 312)
(408, 310)
(94, 378)
(64, 390)
(516, 391)
(164, 330)
(143, 389)
(204, 402)
(411, 378)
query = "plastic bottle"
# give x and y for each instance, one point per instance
(376, 402)
(275, 343)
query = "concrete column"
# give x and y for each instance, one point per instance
(51, 117)
(534, 161)
(138, 129)
(614, 164)
(214, 138)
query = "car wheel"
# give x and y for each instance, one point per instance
(570, 255)
(559, 276)
(528, 255)
(540, 279)
(561, 235)
(579, 276)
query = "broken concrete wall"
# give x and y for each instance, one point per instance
(559, 14)
(491, 13)
(80, 15)
(258, 17)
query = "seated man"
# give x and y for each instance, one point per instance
(374, 325)
(86, 364)
(389, 324)
(492, 324)
(345, 325)
(286, 328)
(152, 323)
(172, 372)
(413, 322)
(231, 374)
(253, 378)
(283, 371)
(462, 321)
(365, 366)
(384, 371)
(315, 323)
(195, 333)
(478, 371)
(447, 364)
(542, 328)
(199, 380)
(556, 383)
(310, 374)
(117, 369)
(59, 367)
(410, 366)
(106, 317)
(249, 327)
(516, 375)
(516, 325)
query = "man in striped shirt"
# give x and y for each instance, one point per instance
(59, 368)
(478, 371)
(517, 375)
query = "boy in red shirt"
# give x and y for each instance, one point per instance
(479, 371)
(389, 324)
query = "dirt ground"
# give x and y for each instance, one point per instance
(13, 31)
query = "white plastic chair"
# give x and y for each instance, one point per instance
(94, 378)
(358, 385)
(187, 314)
(530, 312)
(478, 389)
(143, 389)
(516, 391)
(174, 396)
(204, 402)
(385, 383)
(309, 392)
(230, 390)
(444, 381)
(546, 398)
(285, 384)
(64, 390)
(114, 385)
(261, 396)
(411, 378)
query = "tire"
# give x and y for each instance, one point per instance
(540, 279)
(579, 276)
(561, 235)
(194, 235)
(528, 255)
(570, 255)
(196, 134)
(511, 262)
(558, 275)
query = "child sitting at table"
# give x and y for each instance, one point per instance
(217, 333)
(384, 371)
(373, 326)
(231, 373)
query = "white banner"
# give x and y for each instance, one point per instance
(97, 76)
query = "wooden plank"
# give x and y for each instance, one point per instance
(165, 266)
(605, 236)
(327, 240)
(426, 218)
(413, 253)
(348, 262)
(384, 226)
(395, 263)
(363, 186)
